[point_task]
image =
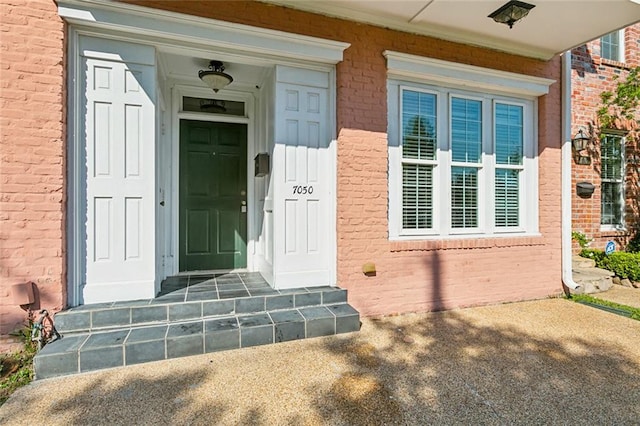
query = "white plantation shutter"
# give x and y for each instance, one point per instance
(417, 196)
(507, 187)
(464, 197)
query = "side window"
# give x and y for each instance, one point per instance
(612, 181)
(611, 46)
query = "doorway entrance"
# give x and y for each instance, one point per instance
(212, 196)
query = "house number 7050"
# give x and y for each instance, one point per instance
(302, 189)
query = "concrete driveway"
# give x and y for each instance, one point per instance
(542, 362)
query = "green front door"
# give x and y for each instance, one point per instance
(213, 195)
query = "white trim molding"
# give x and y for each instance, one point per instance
(407, 67)
(176, 28)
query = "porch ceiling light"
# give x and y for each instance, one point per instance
(215, 77)
(511, 12)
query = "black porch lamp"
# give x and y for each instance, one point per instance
(580, 141)
(215, 77)
(511, 12)
(579, 144)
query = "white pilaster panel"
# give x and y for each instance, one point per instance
(303, 172)
(119, 130)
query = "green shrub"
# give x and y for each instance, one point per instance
(594, 254)
(582, 240)
(624, 265)
(634, 244)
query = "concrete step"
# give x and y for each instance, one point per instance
(592, 280)
(582, 262)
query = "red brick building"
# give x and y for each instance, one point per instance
(612, 161)
(426, 141)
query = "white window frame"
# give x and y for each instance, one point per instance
(409, 72)
(623, 173)
(621, 56)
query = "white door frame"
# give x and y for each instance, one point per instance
(249, 99)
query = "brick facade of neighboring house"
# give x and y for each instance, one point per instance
(414, 275)
(591, 75)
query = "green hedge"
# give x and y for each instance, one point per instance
(624, 265)
(634, 244)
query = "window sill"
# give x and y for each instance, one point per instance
(479, 242)
(612, 63)
(606, 231)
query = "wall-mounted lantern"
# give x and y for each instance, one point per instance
(580, 143)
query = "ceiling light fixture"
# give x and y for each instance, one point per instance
(215, 78)
(511, 12)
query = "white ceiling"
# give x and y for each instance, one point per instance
(552, 26)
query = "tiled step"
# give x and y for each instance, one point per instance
(187, 335)
(184, 307)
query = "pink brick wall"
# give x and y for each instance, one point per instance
(412, 276)
(590, 76)
(32, 130)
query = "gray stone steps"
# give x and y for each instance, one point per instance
(190, 319)
(89, 351)
(167, 309)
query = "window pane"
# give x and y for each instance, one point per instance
(466, 130)
(464, 197)
(509, 141)
(610, 46)
(507, 198)
(417, 196)
(612, 206)
(611, 152)
(418, 125)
